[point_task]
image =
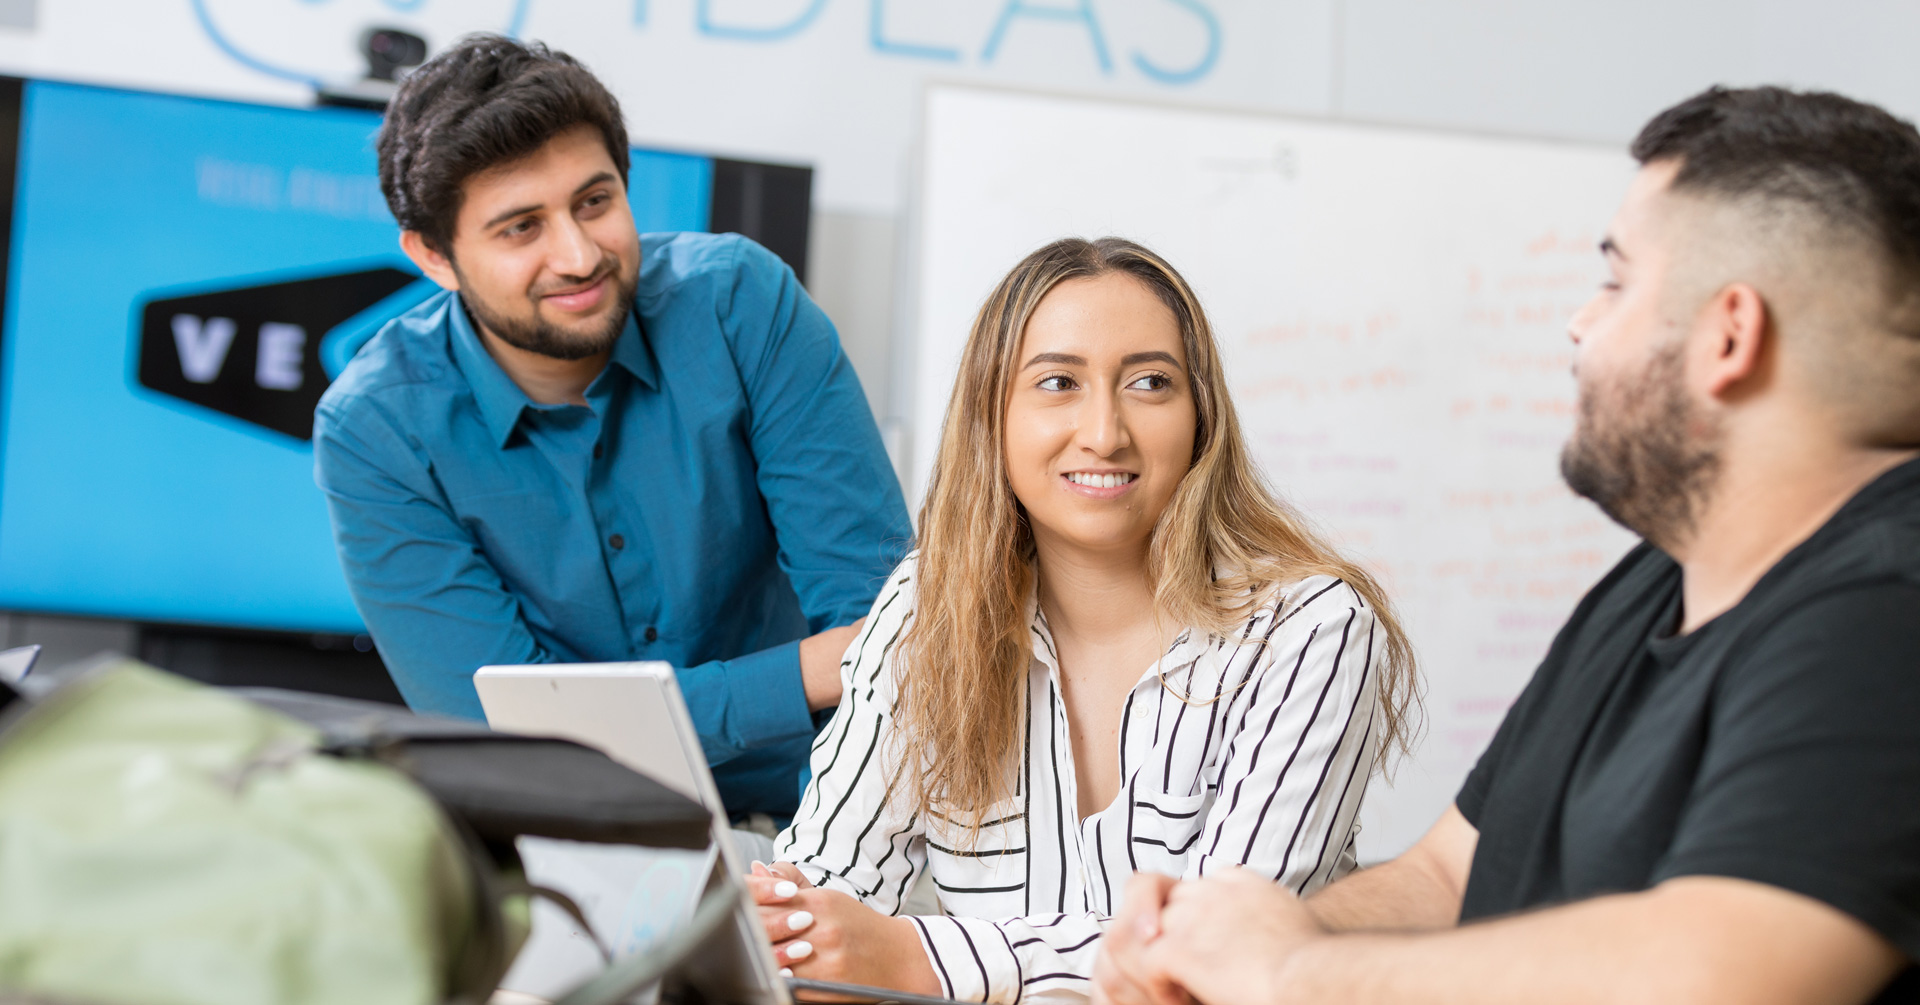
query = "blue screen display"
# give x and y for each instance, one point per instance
(185, 275)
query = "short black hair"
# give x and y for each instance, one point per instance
(489, 100)
(1854, 166)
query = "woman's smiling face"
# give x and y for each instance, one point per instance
(1100, 415)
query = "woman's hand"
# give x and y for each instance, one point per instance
(826, 935)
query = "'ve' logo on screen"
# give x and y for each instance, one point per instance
(253, 352)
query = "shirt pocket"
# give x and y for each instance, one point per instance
(978, 860)
(1165, 831)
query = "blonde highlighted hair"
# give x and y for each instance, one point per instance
(965, 656)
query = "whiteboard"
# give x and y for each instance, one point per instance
(1392, 309)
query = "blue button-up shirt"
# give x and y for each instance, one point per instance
(722, 494)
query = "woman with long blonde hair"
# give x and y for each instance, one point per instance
(1114, 650)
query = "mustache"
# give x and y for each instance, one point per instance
(608, 266)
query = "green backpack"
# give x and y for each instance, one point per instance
(165, 842)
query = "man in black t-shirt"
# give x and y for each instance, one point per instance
(1710, 790)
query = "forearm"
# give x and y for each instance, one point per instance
(1393, 896)
(1573, 956)
(1702, 940)
(1420, 890)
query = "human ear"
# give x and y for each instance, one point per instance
(1731, 340)
(436, 266)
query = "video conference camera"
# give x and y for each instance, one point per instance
(390, 53)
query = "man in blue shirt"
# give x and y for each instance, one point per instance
(599, 446)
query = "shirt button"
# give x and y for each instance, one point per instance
(653, 634)
(598, 450)
(617, 541)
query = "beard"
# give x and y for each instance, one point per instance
(1643, 452)
(534, 335)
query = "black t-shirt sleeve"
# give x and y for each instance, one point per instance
(1811, 777)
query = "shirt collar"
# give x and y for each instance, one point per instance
(630, 352)
(501, 401)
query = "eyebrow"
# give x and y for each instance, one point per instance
(1131, 359)
(604, 176)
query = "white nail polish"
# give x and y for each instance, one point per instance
(799, 920)
(785, 888)
(797, 951)
(786, 971)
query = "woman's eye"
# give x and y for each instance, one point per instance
(1057, 384)
(1152, 382)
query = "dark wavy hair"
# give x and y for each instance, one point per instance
(487, 101)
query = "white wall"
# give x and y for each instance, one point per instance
(1598, 70)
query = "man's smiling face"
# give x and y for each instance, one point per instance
(544, 250)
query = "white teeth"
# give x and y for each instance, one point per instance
(1108, 481)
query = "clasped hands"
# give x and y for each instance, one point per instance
(827, 935)
(1223, 940)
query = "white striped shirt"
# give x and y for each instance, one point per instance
(1265, 768)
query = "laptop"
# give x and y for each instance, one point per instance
(634, 712)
